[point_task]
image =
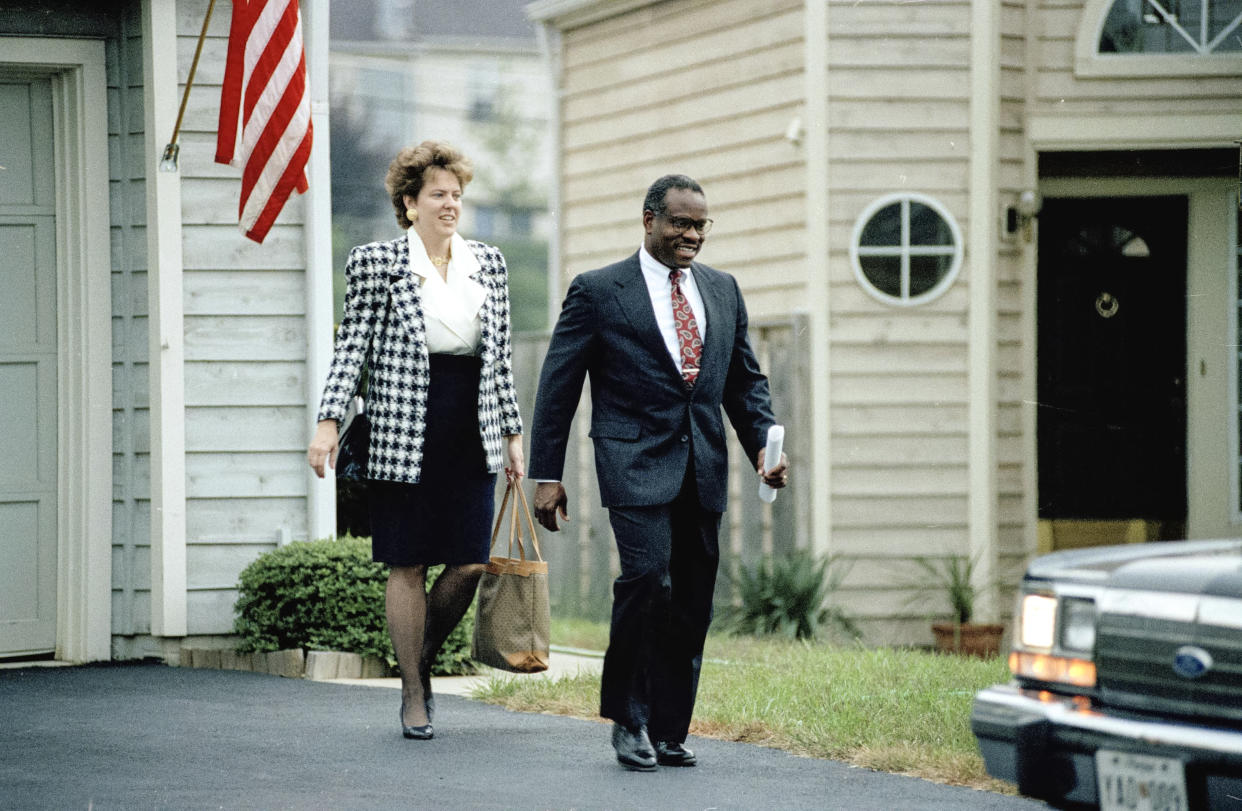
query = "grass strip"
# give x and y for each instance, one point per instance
(895, 710)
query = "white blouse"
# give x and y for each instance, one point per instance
(450, 305)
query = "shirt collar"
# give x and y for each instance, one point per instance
(654, 267)
(464, 262)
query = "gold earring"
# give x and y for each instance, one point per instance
(411, 214)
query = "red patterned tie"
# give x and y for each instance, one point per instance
(687, 331)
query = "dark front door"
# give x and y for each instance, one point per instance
(1112, 360)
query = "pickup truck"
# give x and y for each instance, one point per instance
(1127, 680)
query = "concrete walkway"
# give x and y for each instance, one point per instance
(562, 662)
(148, 736)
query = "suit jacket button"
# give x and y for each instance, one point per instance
(685, 438)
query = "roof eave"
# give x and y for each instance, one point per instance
(565, 14)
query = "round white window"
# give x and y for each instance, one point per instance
(906, 250)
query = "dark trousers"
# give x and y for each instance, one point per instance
(662, 605)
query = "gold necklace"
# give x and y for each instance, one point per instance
(440, 261)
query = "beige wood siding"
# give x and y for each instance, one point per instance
(708, 88)
(1015, 388)
(674, 88)
(899, 116)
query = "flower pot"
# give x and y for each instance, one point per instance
(969, 638)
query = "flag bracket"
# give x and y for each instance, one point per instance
(169, 161)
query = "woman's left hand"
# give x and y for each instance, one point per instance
(517, 461)
(323, 447)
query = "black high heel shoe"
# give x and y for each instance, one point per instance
(422, 733)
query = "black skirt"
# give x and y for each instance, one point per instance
(447, 516)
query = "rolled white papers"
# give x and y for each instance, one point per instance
(771, 458)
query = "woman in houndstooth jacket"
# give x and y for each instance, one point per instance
(428, 313)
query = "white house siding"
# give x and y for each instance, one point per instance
(246, 420)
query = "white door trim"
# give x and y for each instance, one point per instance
(84, 309)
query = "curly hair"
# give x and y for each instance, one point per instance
(409, 170)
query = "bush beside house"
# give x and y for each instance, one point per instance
(328, 595)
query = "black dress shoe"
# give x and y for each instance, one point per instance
(671, 753)
(633, 747)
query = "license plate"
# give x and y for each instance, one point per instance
(1129, 782)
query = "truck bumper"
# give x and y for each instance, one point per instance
(1046, 744)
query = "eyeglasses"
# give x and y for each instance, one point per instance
(684, 224)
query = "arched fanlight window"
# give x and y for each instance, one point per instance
(1159, 38)
(1172, 27)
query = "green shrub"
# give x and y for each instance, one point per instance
(329, 595)
(788, 596)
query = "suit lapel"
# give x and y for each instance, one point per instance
(718, 342)
(635, 300)
(400, 267)
(404, 287)
(489, 325)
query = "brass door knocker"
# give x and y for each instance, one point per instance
(1106, 305)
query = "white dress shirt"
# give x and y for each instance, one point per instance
(450, 305)
(655, 274)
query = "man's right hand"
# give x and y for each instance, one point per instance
(550, 499)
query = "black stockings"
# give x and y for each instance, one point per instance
(419, 621)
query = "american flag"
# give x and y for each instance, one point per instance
(265, 89)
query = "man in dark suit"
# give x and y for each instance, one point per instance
(664, 340)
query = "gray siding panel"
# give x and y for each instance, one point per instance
(131, 476)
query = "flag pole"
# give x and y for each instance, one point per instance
(172, 152)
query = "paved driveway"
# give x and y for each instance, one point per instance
(150, 736)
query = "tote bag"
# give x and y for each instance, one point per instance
(511, 622)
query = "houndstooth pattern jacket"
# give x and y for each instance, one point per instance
(383, 312)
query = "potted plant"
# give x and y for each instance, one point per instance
(952, 576)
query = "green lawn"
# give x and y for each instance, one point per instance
(903, 711)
